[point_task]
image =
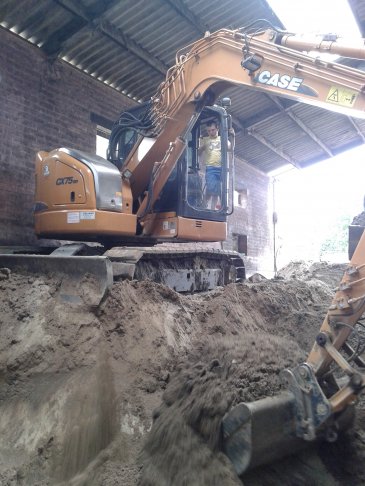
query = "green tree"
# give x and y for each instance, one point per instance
(337, 239)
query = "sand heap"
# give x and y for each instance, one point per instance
(80, 385)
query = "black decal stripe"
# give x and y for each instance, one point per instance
(307, 90)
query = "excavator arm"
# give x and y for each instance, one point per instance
(342, 322)
(268, 61)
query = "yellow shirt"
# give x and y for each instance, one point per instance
(212, 151)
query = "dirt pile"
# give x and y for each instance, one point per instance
(359, 219)
(184, 445)
(314, 272)
(79, 384)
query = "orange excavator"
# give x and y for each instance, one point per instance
(150, 190)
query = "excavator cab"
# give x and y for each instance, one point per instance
(185, 192)
(195, 201)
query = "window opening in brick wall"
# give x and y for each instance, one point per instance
(240, 243)
(102, 140)
(240, 198)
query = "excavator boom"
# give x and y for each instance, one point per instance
(203, 71)
(328, 43)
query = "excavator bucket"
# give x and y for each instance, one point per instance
(270, 429)
(261, 432)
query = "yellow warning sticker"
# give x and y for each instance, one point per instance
(341, 96)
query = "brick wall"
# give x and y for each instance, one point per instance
(42, 106)
(252, 219)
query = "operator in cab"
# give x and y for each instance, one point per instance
(210, 146)
(210, 149)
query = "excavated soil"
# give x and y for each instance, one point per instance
(359, 219)
(132, 391)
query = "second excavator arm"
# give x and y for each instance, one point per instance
(320, 392)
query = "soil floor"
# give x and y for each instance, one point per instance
(132, 391)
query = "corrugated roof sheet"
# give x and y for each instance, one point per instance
(358, 8)
(130, 44)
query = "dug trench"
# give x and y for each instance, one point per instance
(132, 391)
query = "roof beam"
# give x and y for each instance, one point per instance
(272, 147)
(301, 124)
(183, 11)
(92, 20)
(81, 17)
(358, 131)
(125, 41)
(270, 114)
(261, 116)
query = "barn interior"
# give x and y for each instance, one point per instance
(104, 374)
